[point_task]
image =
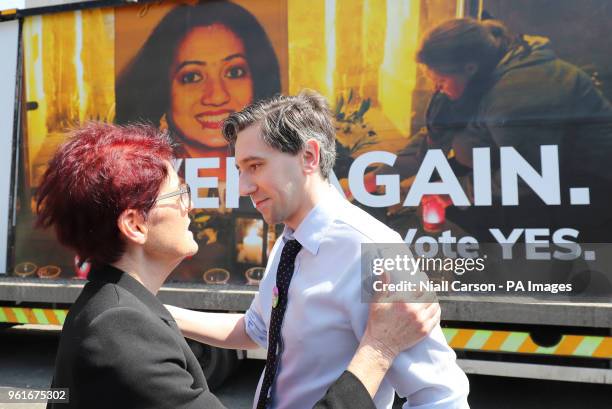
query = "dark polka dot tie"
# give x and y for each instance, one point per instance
(279, 304)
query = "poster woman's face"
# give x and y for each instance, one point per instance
(210, 78)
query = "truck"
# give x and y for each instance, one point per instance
(67, 62)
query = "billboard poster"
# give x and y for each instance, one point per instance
(466, 154)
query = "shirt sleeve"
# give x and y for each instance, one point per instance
(426, 374)
(143, 360)
(254, 324)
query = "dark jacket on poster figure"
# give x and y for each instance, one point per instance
(532, 98)
(121, 348)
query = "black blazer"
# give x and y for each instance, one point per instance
(120, 348)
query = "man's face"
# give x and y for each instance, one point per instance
(274, 180)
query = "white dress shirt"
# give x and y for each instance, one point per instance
(325, 318)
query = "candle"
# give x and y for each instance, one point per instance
(251, 246)
(434, 213)
(81, 268)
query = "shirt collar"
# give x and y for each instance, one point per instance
(311, 230)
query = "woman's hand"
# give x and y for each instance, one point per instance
(396, 326)
(393, 326)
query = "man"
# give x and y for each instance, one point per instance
(112, 195)
(285, 151)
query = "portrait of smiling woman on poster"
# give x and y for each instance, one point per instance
(202, 62)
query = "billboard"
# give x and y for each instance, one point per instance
(511, 154)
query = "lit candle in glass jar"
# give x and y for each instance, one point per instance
(81, 268)
(434, 213)
(252, 245)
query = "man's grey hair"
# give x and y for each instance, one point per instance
(287, 122)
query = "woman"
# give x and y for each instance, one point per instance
(496, 89)
(201, 63)
(113, 197)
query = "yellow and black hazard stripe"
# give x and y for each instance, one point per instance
(520, 342)
(18, 315)
(458, 338)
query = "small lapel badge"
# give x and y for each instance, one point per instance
(274, 297)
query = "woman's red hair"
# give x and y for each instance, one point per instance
(100, 171)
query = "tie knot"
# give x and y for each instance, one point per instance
(292, 248)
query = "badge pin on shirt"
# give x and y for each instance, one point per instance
(274, 297)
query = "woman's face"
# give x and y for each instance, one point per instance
(452, 85)
(168, 236)
(210, 78)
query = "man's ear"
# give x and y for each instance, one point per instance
(311, 156)
(133, 226)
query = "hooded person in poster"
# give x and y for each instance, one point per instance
(494, 90)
